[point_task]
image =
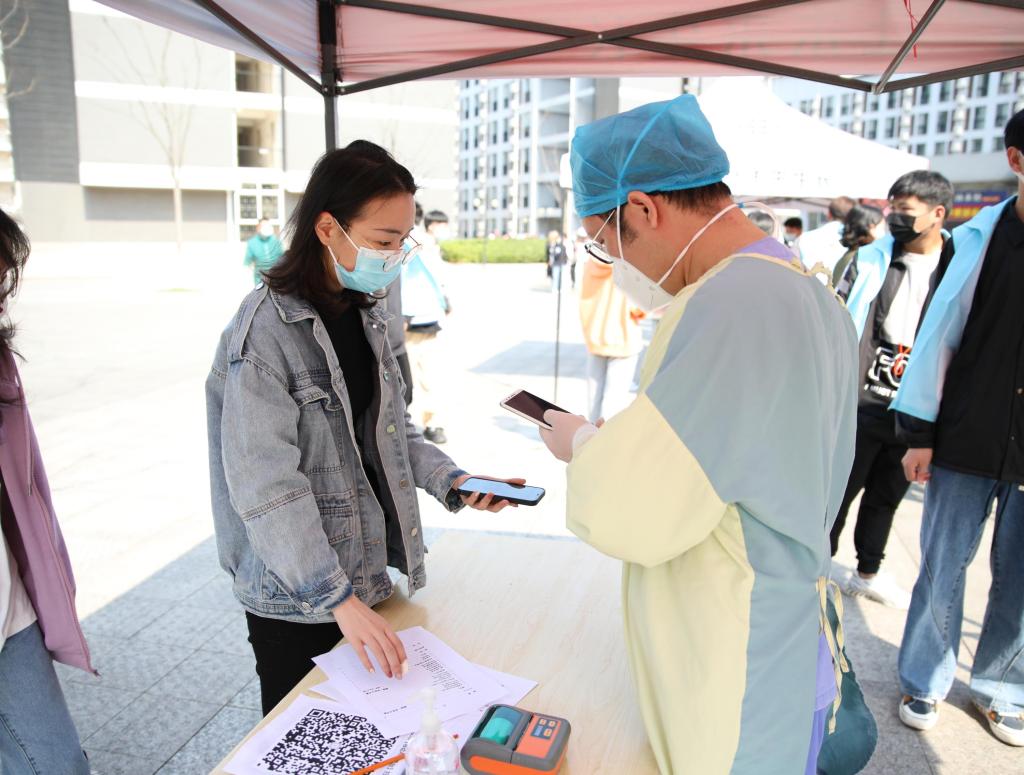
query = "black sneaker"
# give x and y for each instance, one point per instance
(918, 714)
(435, 435)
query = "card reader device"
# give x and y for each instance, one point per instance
(513, 741)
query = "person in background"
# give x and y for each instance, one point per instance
(396, 329)
(822, 245)
(38, 620)
(314, 462)
(863, 225)
(701, 486)
(425, 305)
(960, 409)
(762, 220)
(891, 279)
(262, 250)
(574, 258)
(557, 257)
(792, 229)
(613, 338)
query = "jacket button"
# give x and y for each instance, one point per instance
(414, 532)
(386, 376)
(1020, 391)
(391, 429)
(306, 608)
(404, 483)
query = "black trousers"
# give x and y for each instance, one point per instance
(406, 369)
(284, 653)
(878, 471)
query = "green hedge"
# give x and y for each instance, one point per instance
(499, 251)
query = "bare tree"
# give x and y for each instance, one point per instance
(167, 121)
(12, 31)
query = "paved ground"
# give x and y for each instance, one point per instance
(116, 359)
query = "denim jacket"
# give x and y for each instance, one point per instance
(298, 526)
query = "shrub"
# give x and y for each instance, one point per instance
(499, 251)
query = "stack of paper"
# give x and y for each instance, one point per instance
(370, 717)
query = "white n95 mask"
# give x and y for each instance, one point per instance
(641, 290)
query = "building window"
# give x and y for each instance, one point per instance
(873, 103)
(920, 150)
(890, 128)
(845, 126)
(945, 91)
(921, 124)
(942, 125)
(830, 107)
(979, 86)
(844, 105)
(925, 94)
(1002, 115)
(251, 75)
(871, 133)
(255, 143)
(807, 107)
(891, 102)
(976, 145)
(998, 144)
(940, 149)
(1006, 83)
(980, 114)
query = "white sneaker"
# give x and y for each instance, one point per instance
(918, 714)
(1007, 729)
(881, 588)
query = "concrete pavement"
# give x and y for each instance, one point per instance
(114, 370)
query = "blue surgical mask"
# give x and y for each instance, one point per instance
(375, 269)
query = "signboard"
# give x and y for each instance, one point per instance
(967, 204)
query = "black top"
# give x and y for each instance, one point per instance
(980, 428)
(355, 357)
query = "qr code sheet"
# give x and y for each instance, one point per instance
(328, 743)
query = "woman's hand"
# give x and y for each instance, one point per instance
(559, 439)
(482, 502)
(366, 629)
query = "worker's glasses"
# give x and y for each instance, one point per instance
(391, 258)
(597, 250)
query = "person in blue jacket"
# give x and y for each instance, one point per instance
(960, 409)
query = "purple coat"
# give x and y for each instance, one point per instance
(31, 530)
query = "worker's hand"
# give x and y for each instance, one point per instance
(917, 465)
(367, 629)
(482, 502)
(563, 430)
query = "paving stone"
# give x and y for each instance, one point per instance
(125, 616)
(216, 594)
(232, 638)
(131, 665)
(153, 727)
(92, 706)
(207, 677)
(184, 626)
(110, 763)
(213, 742)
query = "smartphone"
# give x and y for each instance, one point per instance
(522, 494)
(529, 407)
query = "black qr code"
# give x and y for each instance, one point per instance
(328, 743)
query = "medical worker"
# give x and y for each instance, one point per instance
(718, 485)
(961, 411)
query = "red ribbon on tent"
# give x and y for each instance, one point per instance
(913, 22)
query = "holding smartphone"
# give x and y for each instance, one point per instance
(521, 494)
(530, 407)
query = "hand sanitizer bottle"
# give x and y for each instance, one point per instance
(431, 751)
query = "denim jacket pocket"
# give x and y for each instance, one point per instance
(312, 397)
(337, 515)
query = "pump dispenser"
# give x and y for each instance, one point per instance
(431, 751)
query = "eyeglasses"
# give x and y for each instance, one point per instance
(595, 249)
(391, 258)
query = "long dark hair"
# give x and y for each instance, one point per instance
(342, 183)
(858, 225)
(14, 250)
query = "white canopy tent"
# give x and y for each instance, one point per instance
(776, 151)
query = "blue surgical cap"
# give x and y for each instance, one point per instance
(664, 146)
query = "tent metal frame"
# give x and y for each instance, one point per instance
(331, 84)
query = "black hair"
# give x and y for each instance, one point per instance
(14, 250)
(794, 223)
(419, 213)
(930, 187)
(434, 216)
(858, 225)
(1013, 135)
(264, 219)
(342, 183)
(703, 199)
(840, 206)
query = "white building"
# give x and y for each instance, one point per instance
(957, 124)
(109, 110)
(512, 136)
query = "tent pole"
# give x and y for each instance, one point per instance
(908, 45)
(328, 23)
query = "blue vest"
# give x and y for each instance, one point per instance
(938, 339)
(872, 265)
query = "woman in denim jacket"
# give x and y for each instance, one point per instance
(314, 463)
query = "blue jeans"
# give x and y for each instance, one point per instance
(956, 507)
(37, 735)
